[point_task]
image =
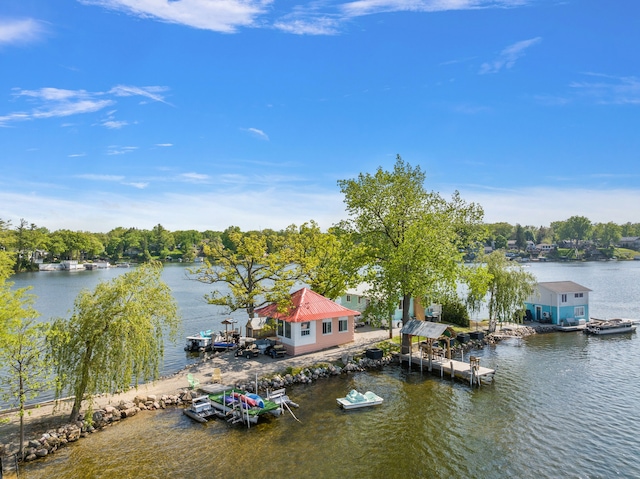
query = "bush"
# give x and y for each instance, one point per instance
(455, 312)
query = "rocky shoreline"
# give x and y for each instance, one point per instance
(346, 361)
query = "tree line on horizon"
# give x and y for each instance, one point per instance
(29, 243)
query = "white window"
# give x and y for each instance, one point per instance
(326, 327)
(359, 299)
(578, 311)
(564, 298)
(348, 298)
(305, 329)
(343, 325)
(578, 295)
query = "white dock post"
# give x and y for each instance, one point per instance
(452, 372)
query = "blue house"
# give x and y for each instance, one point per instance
(559, 302)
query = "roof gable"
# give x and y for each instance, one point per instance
(307, 306)
(563, 287)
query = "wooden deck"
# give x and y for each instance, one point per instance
(471, 372)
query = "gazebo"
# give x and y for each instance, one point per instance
(430, 330)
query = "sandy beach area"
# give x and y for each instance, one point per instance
(234, 370)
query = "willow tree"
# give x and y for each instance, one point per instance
(115, 336)
(413, 238)
(329, 262)
(252, 269)
(509, 287)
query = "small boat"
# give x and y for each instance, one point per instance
(610, 326)
(355, 400)
(222, 344)
(200, 342)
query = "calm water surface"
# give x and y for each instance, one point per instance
(564, 405)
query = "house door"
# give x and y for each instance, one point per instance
(538, 313)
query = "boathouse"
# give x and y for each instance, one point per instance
(312, 323)
(558, 302)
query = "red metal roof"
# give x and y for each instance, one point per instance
(307, 306)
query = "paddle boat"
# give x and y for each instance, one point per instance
(355, 400)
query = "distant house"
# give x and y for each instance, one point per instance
(313, 323)
(545, 248)
(358, 299)
(559, 302)
(631, 242)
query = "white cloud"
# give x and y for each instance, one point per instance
(195, 177)
(141, 185)
(279, 207)
(508, 56)
(610, 89)
(76, 155)
(325, 17)
(94, 177)
(539, 206)
(369, 7)
(221, 16)
(100, 212)
(58, 102)
(113, 124)
(121, 150)
(20, 31)
(259, 133)
(164, 145)
(151, 92)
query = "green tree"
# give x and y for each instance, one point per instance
(412, 238)
(509, 288)
(115, 336)
(500, 242)
(328, 262)
(500, 229)
(607, 234)
(477, 280)
(521, 242)
(26, 371)
(575, 229)
(254, 272)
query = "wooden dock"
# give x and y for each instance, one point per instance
(471, 371)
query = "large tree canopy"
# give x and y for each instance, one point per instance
(115, 337)
(413, 238)
(329, 261)
(254, 267)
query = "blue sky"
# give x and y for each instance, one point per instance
(201, 114)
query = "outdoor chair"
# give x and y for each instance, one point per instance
(193, 382)
(216, 376)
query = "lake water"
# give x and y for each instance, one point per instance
(562, 405)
